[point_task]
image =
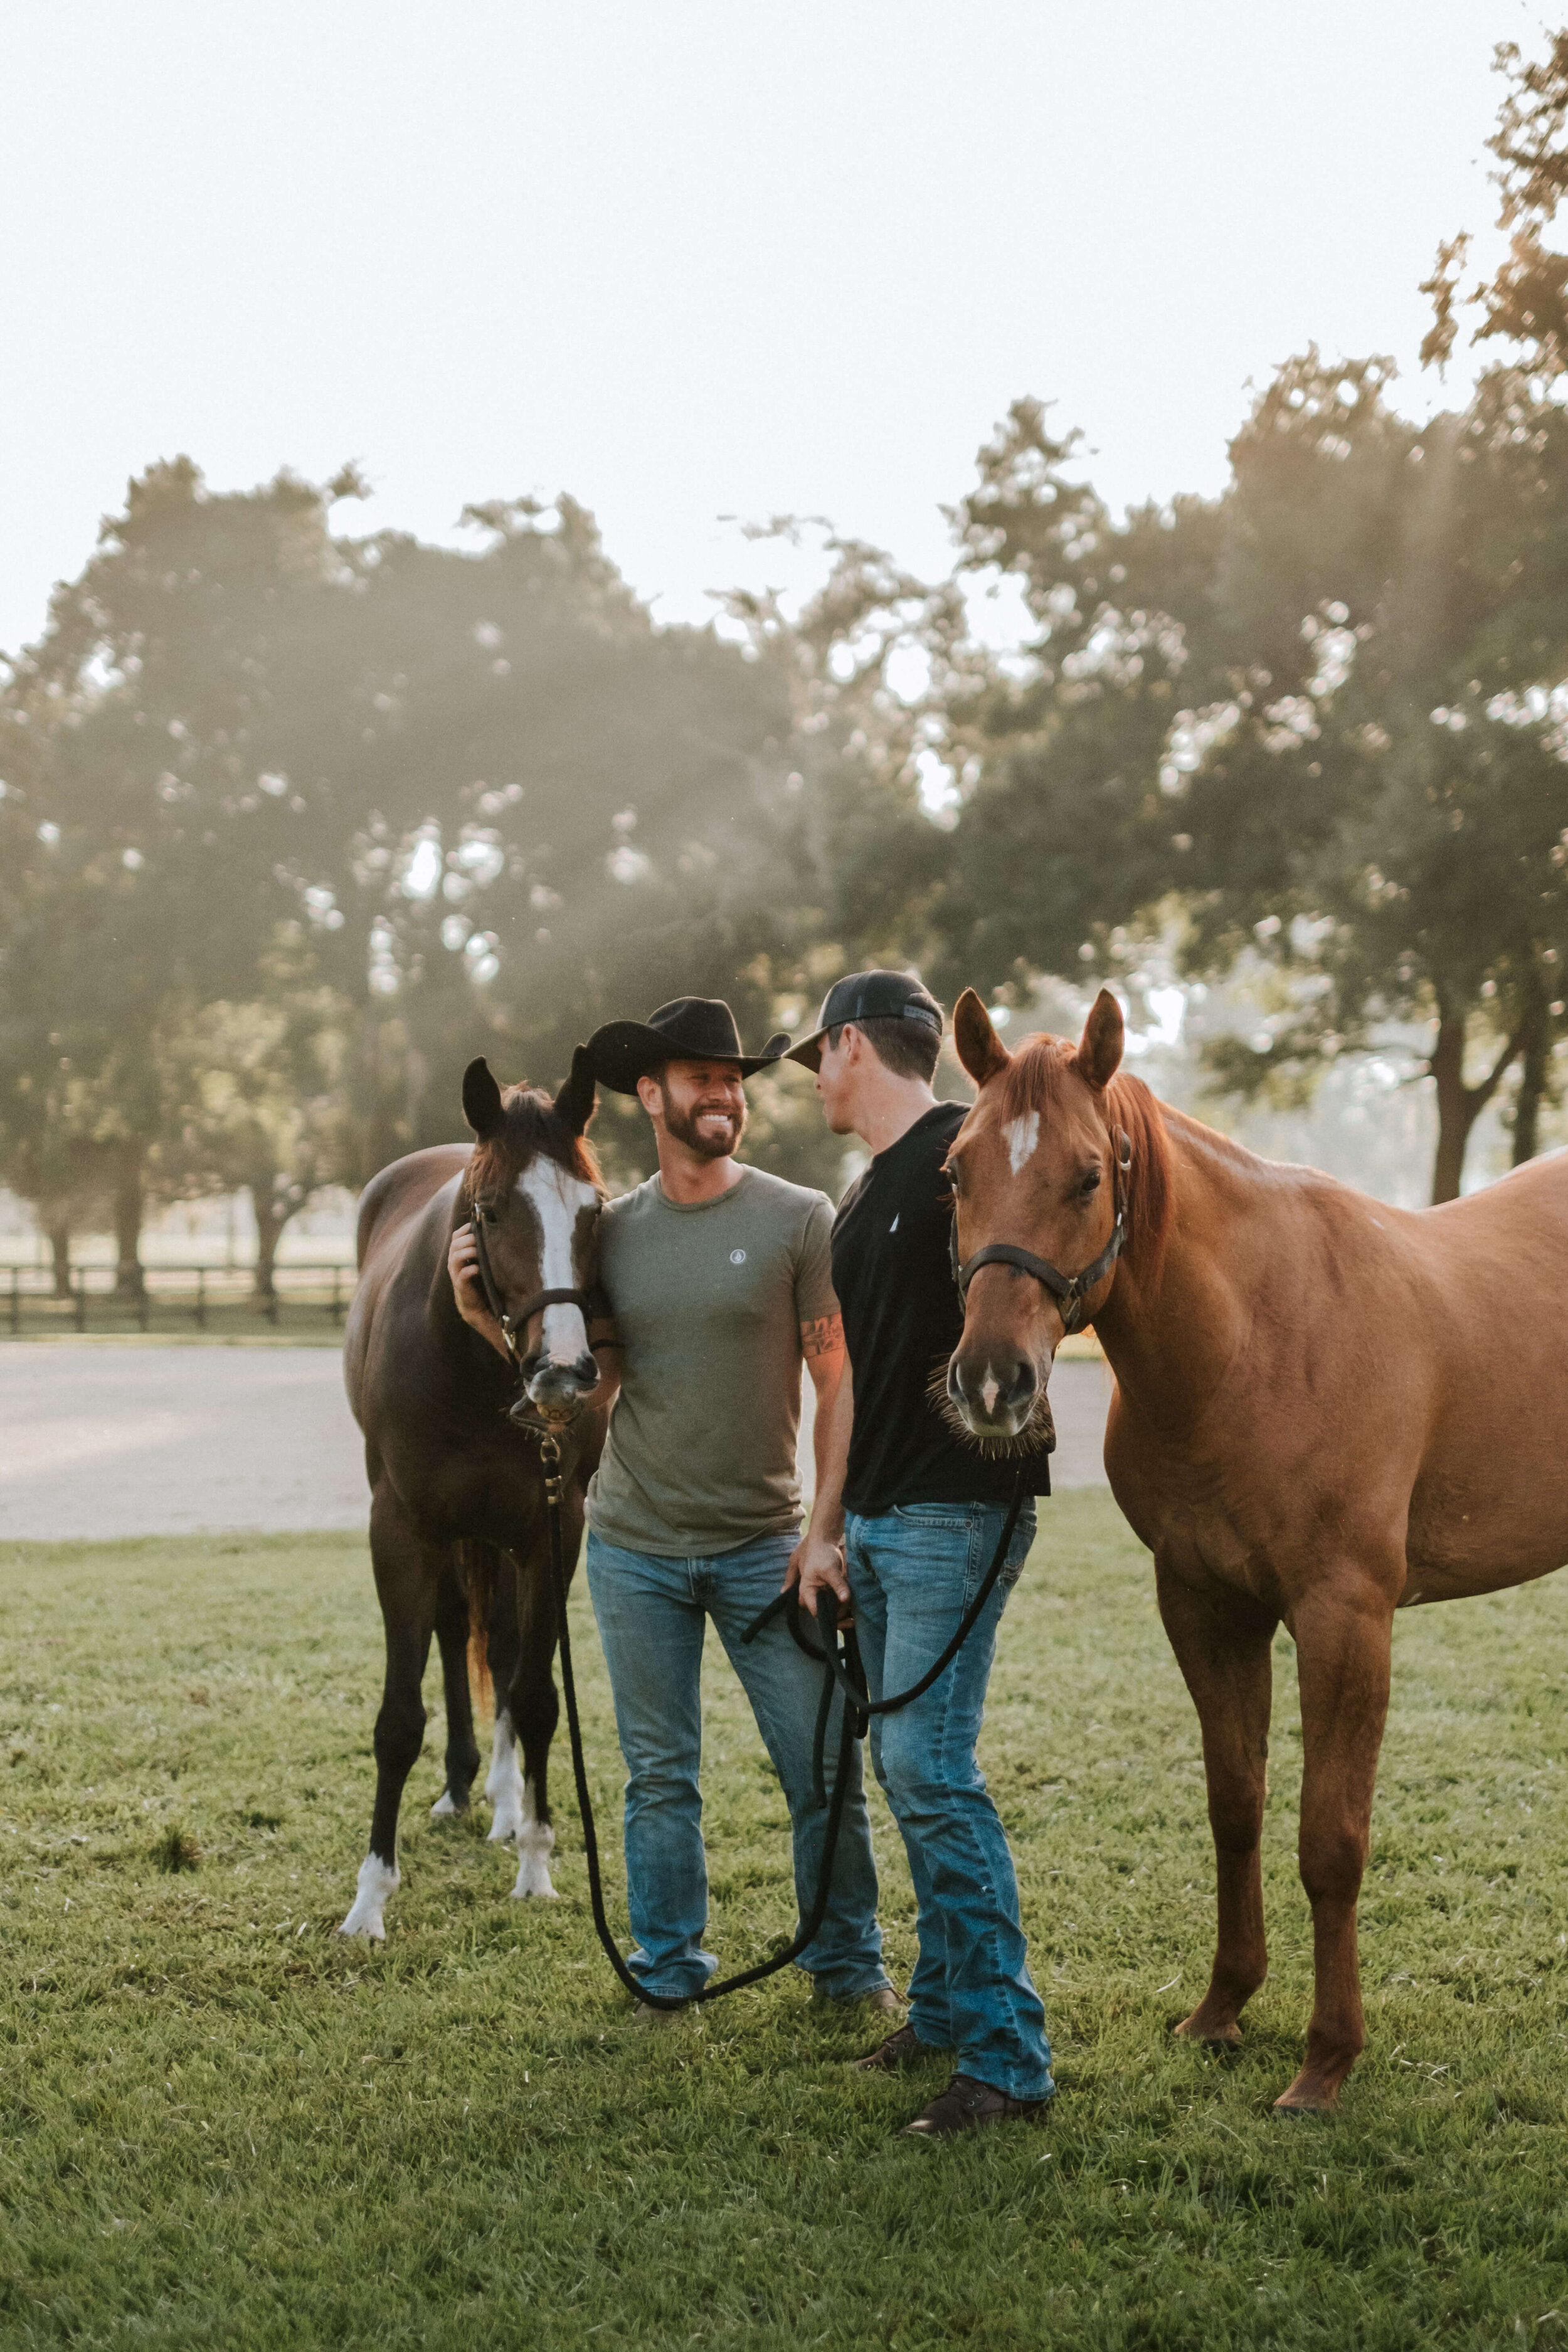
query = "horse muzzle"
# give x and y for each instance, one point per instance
(997, 1394)
(550, 1387)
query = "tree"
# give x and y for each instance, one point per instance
(259, 1105)
(478, 792)
(157, 716)
(550, 813)
(1525, 304)
(1363, 783)
(1063, 836)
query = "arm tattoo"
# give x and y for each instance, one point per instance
(824, 1335)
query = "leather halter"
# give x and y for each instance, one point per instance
(1070, 1290)
(510, 1325)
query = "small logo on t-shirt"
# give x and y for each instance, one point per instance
(737, 1258)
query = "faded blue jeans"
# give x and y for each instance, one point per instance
(652, 1613)
(913, 1572)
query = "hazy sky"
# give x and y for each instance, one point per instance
(698, 259)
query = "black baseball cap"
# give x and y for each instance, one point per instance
(868, 997)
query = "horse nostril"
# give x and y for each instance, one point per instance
(586, 1370)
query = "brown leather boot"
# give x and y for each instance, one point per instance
(901, 2049)
(968, 2106)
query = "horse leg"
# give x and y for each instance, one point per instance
(1223, 1646)
(503, 1782)
(407, 1576)
(452, 1639)
(1342, 1642)
(535, 1706)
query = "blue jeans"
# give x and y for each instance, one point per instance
(913, 1572)
(652, 1614)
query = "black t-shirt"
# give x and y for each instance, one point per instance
(903, 1319)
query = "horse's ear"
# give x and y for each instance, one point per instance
(576, 1101)
(1098, 1055)
(481, 1098)
(980, 1049)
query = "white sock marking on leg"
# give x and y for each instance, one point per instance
(535, 1840)
(377, 1880)
(442, 1806)
(503, 1784)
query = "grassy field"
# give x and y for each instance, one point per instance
(221, 2125)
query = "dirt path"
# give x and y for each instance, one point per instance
(100, 1440)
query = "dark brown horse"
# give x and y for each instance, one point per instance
(457, 1513)
(1325, 1409)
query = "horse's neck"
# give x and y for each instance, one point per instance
(1169, 1330)
(449, 1332)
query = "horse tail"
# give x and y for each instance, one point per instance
(480, 1566)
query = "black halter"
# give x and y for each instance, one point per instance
(1070, 1290)
(510, 1325)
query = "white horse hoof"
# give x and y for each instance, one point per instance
(443, 1809)
(533, 1865)
(377, 1880)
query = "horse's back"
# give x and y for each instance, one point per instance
(400, 1189)
(1490, 1506)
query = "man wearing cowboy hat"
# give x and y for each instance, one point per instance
(719, 1280)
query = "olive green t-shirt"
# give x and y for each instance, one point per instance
(708, 1300)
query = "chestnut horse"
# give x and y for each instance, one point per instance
(1325, 1409)
(457, 1526)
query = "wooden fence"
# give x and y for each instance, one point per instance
(175, 1298)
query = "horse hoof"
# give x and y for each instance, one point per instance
(1312, 2110)
(446, 1806)
(377, 1880)
(1222, 2040)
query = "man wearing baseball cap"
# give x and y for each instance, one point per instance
(919, 1513)
(719, 1278)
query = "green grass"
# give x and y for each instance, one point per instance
(221, 2125)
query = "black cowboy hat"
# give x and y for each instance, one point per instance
(688, 1029)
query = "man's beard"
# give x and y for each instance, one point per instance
(684, 1128)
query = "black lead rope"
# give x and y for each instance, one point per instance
(840, 1658)
(551, 1450)
(830, 1656)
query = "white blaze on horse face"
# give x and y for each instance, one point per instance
(1021, 1134)
(558, 1199)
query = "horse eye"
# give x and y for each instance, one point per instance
(1091, 1183)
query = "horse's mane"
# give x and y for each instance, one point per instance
(1033, 1081)
(530, 1125)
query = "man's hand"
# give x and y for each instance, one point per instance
(817, 1566)
(463, 1266)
